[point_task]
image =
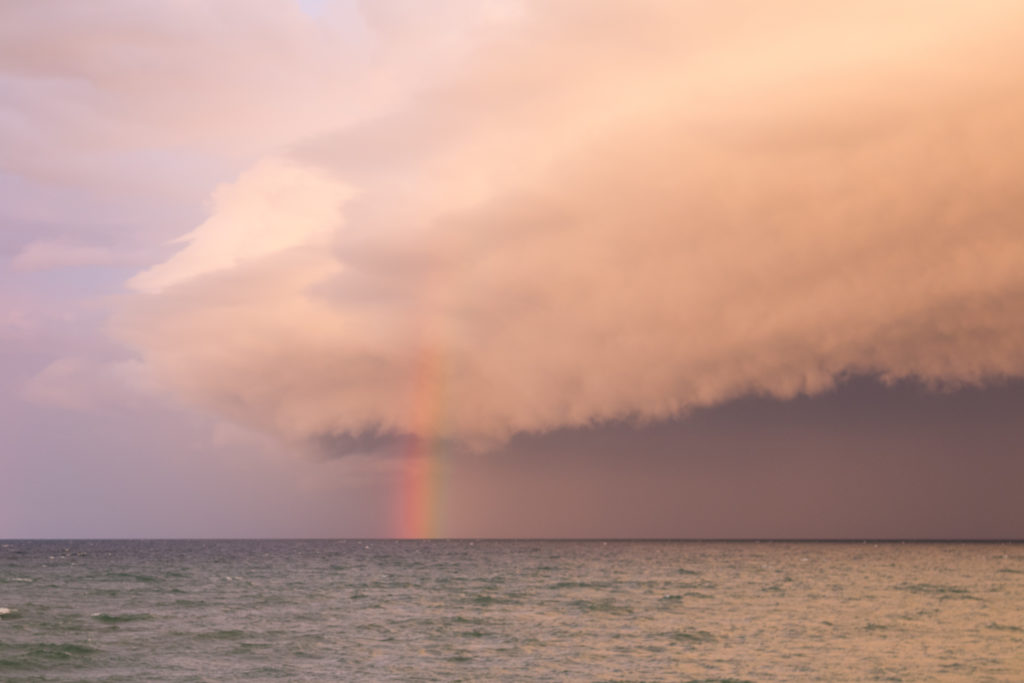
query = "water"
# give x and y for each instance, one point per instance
(509, 611)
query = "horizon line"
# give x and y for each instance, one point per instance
(567, 539)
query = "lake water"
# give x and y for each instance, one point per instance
(510, 611)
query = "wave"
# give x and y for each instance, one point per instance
(42, 654)
(121, 618)
(943, 592)
(691, 636)
(607, 606)
(1005, 627)
(142, 578)
(225, 634)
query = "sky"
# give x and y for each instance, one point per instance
(511, 268)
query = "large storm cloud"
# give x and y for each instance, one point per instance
(609, 210)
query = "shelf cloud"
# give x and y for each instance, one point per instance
(590, 211)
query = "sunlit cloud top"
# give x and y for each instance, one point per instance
(579, 211)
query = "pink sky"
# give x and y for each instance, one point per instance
(234, 232)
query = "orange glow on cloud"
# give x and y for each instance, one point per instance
(611, 210)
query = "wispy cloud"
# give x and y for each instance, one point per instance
(47, 255)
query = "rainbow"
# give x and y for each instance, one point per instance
(420, 500)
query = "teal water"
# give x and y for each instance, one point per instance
(510, 611)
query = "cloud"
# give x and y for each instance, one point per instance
(85, 385)
(117, 121)
(146, 96)
(47, 255)
(272, 208)
(618, 210)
